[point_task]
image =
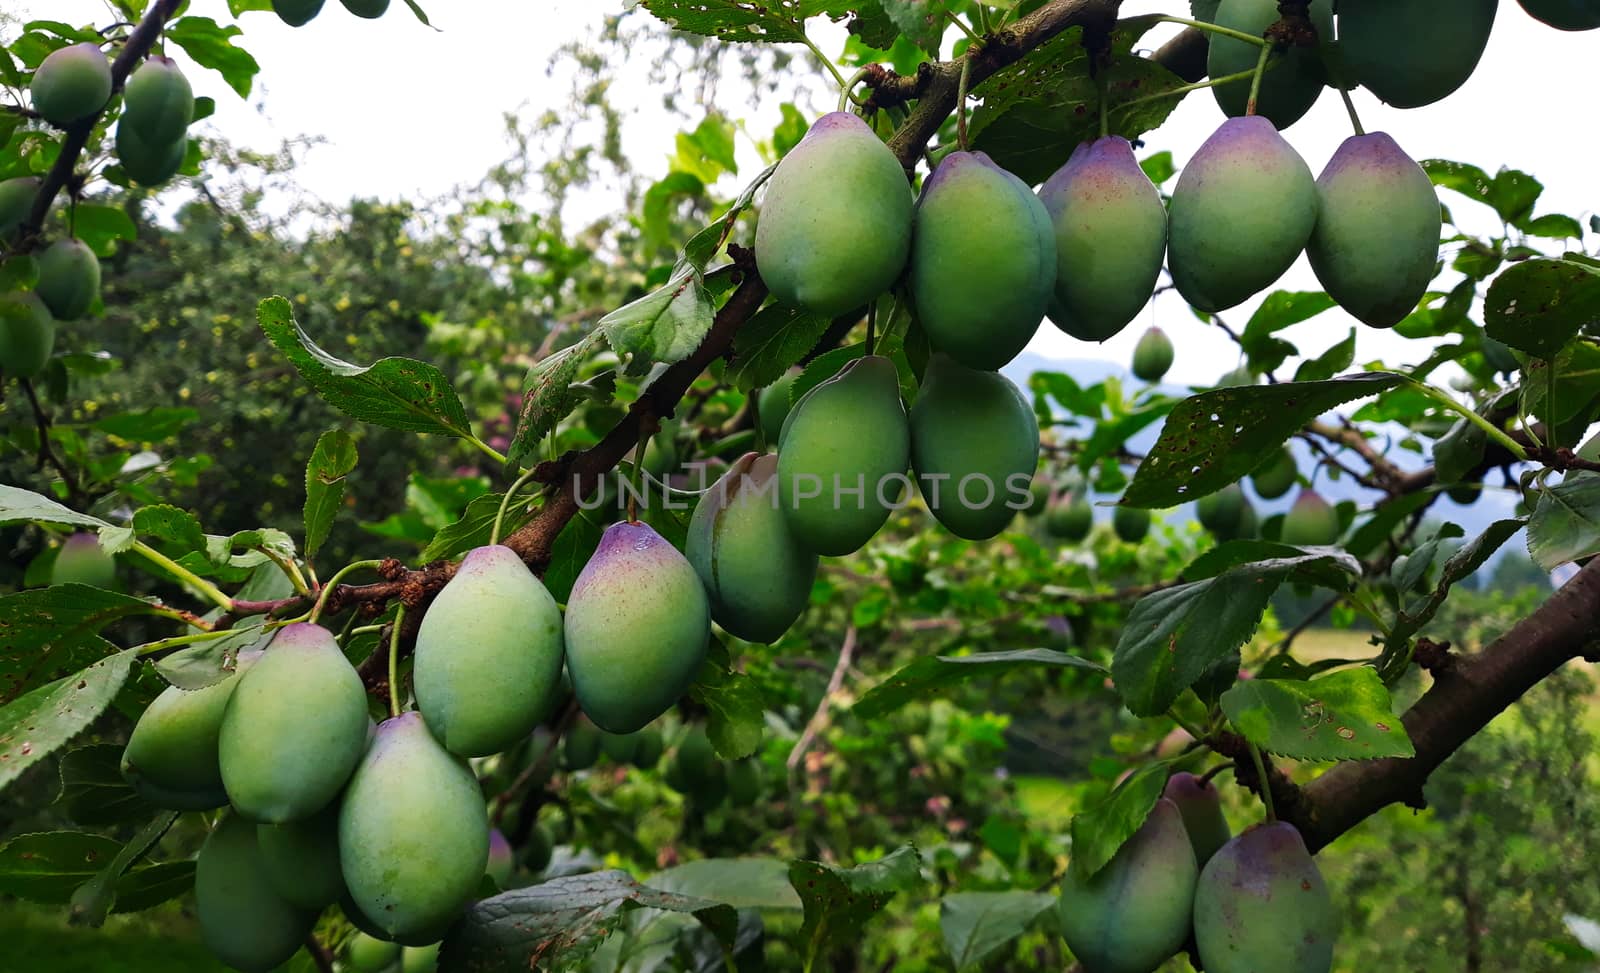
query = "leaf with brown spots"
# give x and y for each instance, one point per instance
(48, 632)
(44, 720)
(1345, 715)
(838, 901)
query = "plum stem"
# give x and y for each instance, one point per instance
(1464, 411)
(846, 93)
(1261, 775)
(1255, 82)
(961, 26)
(505, 501)
(961, 103)
(1350, 108)
(1237, 35)
(211, 591)
(837, 77)
(333, 582)
(1182, 90)
(394, 660)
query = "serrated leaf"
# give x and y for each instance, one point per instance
(1278, 310)
(744, 883)
(47, 866)
(1344, 715)
(732, 21)
(93, 790)
(44, 720)
(45, 632)
(331, 461)
(666, 325)
(549, 397)
(212, 661)
(555, 925)
(91, 903)
(1537, 306)
(922, 22)
(18, 506)
(923, 679)
(772, 342)
(977, 924)
(171, 524)
(398, 393)
(210, 45)
(1217, 437)
(838, 901)
(1098, 831)
(1174, 637)
(735, 715)
(573, 547)
(475, 525)
(1566, 522)
(1459, 451)
(149, 425)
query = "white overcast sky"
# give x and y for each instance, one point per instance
(408, 112)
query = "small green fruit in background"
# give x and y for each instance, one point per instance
(1242, 211)
(1222, 512)
(1276, 476)
(697, 771)
(488, 658)
(648, 748)
(1201, 806)
(1153, 356)
(1039, 494)
(1376, 245)
(1311, 522)
(1565, 14)
(843, 455)
(756, 573)
(744, 782)
(1070, 518)
(158, 101)
(773, 405)
(368, 954)
(420, 959)
(1111, 234)
(69, 279)
(294, 729)
(1130, 523)
(1134, 914)
(637, 627)
(1296, 80)
(27, 334)
(302, 859)
(82, 560)
(974, 447)
(1465, 494)
(1261, 904)
(413, 833)
(983, 261)
(16, 201)
(1378, 41)
(536, 853)
(296, 13)
(580, 747)
(619, 747)
(243, 920)
(71, 84)
(370, 9)
(835, 226)
(149, 163)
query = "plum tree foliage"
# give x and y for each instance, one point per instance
(738, 578)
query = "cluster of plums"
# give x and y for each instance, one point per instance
(298, 13)
(1247, 904)
(70, 87)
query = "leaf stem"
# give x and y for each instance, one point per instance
(161, 645)
(394, 660)
(1261, 775)
(1255, 83)
(500, 516)
(1350, 109)
(290, 570)
(1493, 431)
(333, 582)
(961, 26)
(1182, 90)
(1237, 35)
(837, 77)
(488, 450)
(211, 591)
(846, 95)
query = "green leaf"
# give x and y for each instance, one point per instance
(1344, 715)
(977, 924)
(44, 720)
(1553, 227)
(1217, 437)
(573, 547)
(211, 46)
(47, 866)
(1329, 363)
(666, 325)
(331, 461)
(1174, 637)
(921, 21)
(1459, 451)
(93, 791)
(1537, 306)
(148, 887)
(416, 11)
(19, 506)
(1098, 831)
(1279, 310)
(772, 342)
(396, 392)
(559, 923)
(46, 632)
(475, 526)
(92, 901)
(102, 226)
(735, 716)
(839, 901)
(744, 883)
(658, 200)
(171, 524)
(924, 678)
(549, 396)
(150, 425)
(1566, 522)
(757, 21)
(210, 662)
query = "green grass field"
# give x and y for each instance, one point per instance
(38, 940)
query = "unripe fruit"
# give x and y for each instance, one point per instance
(647, 750)
(1292, 86)
(619, 747)
(1130, 523)
(172, 755)
(1111, 233)
(242, 919)
(294, 729)
(71, 84)
(537, 852)
(1311, 522)
(697, 771)
(843, 455)
(744, 782)
(158, 101)
(638, 626)
(370, 9)
(69, 279)
(1153, 356)
(301, 859)
(1201, 806)
(1379, 42)
(983, 261)
(1565, 14)
(502, 861)
(1466, 494)
(420, 959)
(149, 163)
(413, 833)
(1038, 495)
(1376, 245)
(82, 560)
(580, 747)
(1242, 211)
(1276, 476)
(1070, 518)
(1261, 904)
(1222, 512)
(835, 227)
(974, 447)
(27, 334)
(756, 573)
(16, 201)
(1135, 912)
(488, 659)
(367, 954)
(773, 406)
(296, 13)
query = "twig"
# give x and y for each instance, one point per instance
(819, 719)
(47, 453)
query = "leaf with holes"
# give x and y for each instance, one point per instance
(977, 924)
(93, 790)
(1566, 522)
(773, 341)
(839, 901)
(922, 679)
(1218, 437)
(1344, 715)
(1537, 306)
(212, 661)
(557, 924)
(1099, 830)
(1175, 637)
(47, 632)
(44, 720)
(398, 393)
(331, 461)
(755, 21)
(922, 22)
